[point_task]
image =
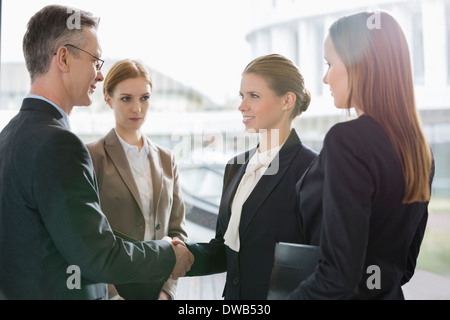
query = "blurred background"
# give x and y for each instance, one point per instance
(196, 51)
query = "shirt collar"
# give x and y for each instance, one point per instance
(63, 113)
(262, 159)
(126, 146)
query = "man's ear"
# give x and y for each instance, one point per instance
(62, 59)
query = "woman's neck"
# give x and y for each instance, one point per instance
(133, 138)
(272, 138)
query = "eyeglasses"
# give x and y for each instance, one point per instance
(98, 63)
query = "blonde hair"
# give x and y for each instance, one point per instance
(123, 70)
(282, 76)
(381, 85)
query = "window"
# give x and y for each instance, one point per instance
(319, 38)
(447, 15)
(417, 49)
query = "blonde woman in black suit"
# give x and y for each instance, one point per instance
(258, 206)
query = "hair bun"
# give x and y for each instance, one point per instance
(305, 100)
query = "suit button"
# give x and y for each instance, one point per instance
(236, 281)
(158, 226)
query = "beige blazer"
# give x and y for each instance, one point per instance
(119, 195)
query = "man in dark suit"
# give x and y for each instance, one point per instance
(55, 243)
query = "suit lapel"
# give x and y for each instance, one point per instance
(299, 184)
(156, 173)
(114, 149)
(267, 182)
(228, 197)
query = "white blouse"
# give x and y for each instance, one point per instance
(256, 168)
(140, 167)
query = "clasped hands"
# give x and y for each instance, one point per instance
(184, 258)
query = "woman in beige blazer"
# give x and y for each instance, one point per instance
(138, 180)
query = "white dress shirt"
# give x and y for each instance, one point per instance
(256, 168)
(140, 167)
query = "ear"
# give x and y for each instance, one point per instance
(62, 59)
(108, 100)
(289, 100)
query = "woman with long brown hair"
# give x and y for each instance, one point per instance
(371, 183)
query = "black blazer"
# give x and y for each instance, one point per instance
(268, 216)
(50, 216)
(350, 204)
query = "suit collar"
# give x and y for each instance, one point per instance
(115, 150)
(156, 168)
(112, 138)
(266, 184)
(40, 105)
(148, 146)
(60, 110)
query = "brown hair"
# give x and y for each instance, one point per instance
(283, 76)
(123, 70)
(381, 85)
(49, 29)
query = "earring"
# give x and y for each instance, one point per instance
(284, 108)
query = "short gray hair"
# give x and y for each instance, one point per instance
(50, 29)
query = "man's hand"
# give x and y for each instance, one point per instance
(184, 257)
(164, 296)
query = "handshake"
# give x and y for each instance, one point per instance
(184, 258)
